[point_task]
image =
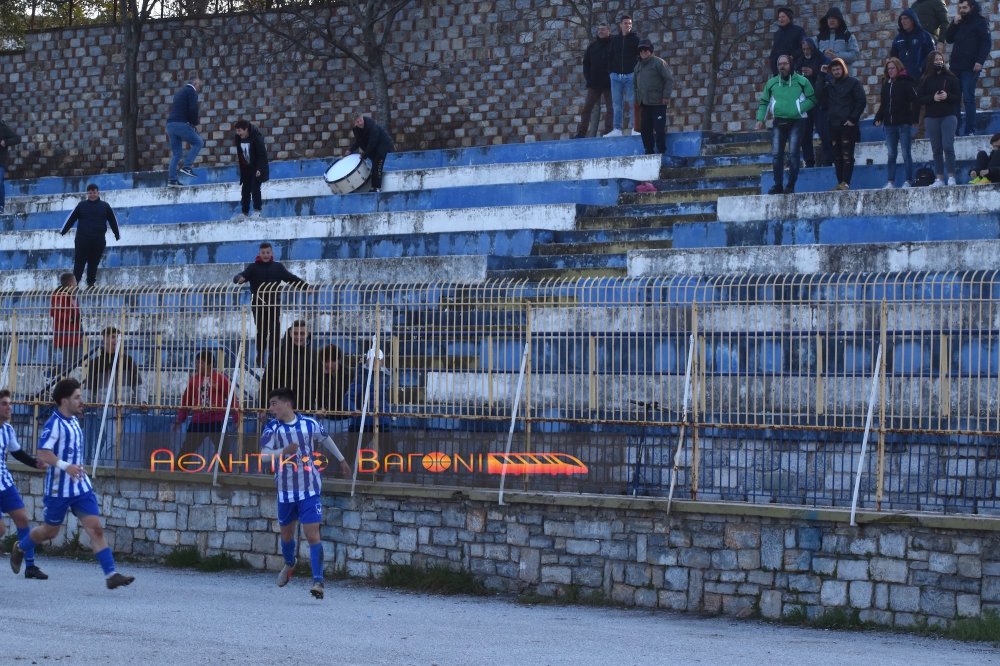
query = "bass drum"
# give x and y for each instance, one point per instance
(349, 174)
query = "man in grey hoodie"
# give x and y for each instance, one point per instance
(653, 85)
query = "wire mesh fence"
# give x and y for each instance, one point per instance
(778, 381)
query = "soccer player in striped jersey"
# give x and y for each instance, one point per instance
(10, 499)
(292, 440)
(67, 487)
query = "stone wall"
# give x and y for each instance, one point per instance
(708, 558)
(476, 73)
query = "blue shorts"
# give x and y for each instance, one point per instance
(10, 500)
(81, 505)
(309, 510)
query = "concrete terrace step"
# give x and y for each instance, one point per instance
(560, 216)
(749, 148)
(637, 167)
(684, 196)
(467, 268)
(966, 148)
(713, 172)
(714, 183)
(888, 228)
(823, 179)
(964, 199)
(629, 222)
(601, 247)
(804, 259)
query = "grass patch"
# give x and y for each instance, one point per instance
(71, 548)
(436, 579)
(571, 595)
(188, 557)
(985, 628)
(8, 541)
(221, 562)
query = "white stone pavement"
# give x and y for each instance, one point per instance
(184, 617)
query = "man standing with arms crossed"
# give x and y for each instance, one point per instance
(292, 439)
(10, 500)
(67, 487)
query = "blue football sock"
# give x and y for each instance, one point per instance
(27, 545)
(288, 550)
(316, 559)
(107, 561)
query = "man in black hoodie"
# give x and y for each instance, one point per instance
(263, 275)
(252, 157)
(787, 38)
(624, 56)
(8, 138)
(373, 142)
(596, 60)
(94, 216)
(969, 32)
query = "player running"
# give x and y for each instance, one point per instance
(291, 439)
(67, 487)
(10, 500)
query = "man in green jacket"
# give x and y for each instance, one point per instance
(653, 85)
(787, 97)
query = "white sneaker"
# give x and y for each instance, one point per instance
(256, 214)
(239, 217)
(889, 186)
(627, 132)
(906, 184)
(613, 133)
(951, 181)
(937, 183)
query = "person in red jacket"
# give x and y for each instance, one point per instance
(205, 399)
(67, 329)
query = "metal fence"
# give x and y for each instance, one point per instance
(778, 370)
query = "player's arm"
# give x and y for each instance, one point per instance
(331, 446)
(50, 459)
(27, 459)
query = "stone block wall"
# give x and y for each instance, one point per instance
(736, 560)
(476, 73)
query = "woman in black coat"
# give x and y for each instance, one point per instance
(939, 93)
(897, 113)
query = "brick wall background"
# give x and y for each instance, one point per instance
(483, 73)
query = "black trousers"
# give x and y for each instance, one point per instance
(844, 138)
(653, 128)
(196, 434)
(593, 96)
(250, 189)
(983, 163)
(88, 253)
(378, 163)
(267, 319)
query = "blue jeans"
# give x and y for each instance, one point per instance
(181, 133)
(895, 136)
(941, 132)
(622, 92)
(790, 132)
(3, 195)
(968, 81)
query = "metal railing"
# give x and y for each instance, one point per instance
(779, 383)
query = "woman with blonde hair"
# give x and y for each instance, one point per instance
(897, 113)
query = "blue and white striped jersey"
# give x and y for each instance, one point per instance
(8, 444)
(63, 437)
(296, 475)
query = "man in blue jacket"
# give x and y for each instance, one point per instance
(969, 33)
(181, 128)
(912, 44)
(94, 216)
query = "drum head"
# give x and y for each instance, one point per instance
(343, 167)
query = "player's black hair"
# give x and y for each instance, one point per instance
(4, 393)
(282, 393)
(64, 389)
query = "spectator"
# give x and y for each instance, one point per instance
(293, 365)
(373, 142)
(834, 39)
(251, 155)
(898, 111)
(844, 100)
(788, 38)
(98, 374)
(810, 65)
(333, 384)
(67, 329)
(653, 85)
(969, 32)
(987, 168)
(8, 138)
(788, 97)
(624, 56)
(596, 60)
(205, 398)
(182, 126)
(94, 216)
(264, 275)
(912, 43)
(939, 95)
(933, 16)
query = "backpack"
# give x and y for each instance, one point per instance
(923, 176)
